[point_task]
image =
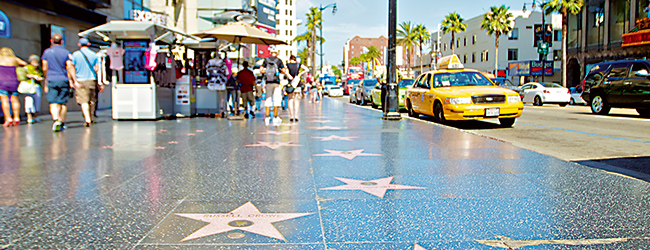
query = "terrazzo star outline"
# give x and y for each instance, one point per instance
(377, 187)
(245, 218)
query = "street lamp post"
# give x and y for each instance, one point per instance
(321, 32)
(543, 52)
(391, 101)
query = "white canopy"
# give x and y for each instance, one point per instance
(129, 29)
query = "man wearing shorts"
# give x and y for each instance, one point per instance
(58, 71)
(273, 88)
(86, 67)
(247, 80)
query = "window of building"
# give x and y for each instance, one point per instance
(464, 58)
(619, 20)
(484, 56)
(557, 35)
(445, 47)
(286, 22)
(474, 39)
(641, 9)
(130, 5)
(574, 33)
(514, 34)
(277, 21)
(465, 41)
(291, 13)
(457, 42)
(474, 57)
(595, 24)
(513, 54)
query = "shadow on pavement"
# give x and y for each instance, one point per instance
(468, 125)
(637, 167)
(611, 115)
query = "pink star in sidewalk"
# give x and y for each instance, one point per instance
(418, 247)
(326, 128)
(271, 132)
(376, 187)
(199, 131)
(107, 146)
(191, 134)
(347, 154)
(160, 147)
(273, 145)
(336, 137)
(245, 218)
(173, 142)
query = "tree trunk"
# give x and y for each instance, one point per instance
(453, 41)
(420, 57)
(496, 54)
(564, 41)
(312, 53)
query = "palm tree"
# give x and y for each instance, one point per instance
(497, 22)
(406, 34)
(564, 7)
(314, 21)
(303, 54)
(453, 23)
(422, 36)
(355, 61)
(373, 54)
(306, 37)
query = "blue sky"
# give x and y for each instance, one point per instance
(369, 18)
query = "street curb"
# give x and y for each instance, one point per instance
(614, 169)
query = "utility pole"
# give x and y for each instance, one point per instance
(391, 101)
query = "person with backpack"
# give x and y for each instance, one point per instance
(86, 66)
(294, 90)
(217, 78)
(271, 69)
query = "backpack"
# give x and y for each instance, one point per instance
(272, 71)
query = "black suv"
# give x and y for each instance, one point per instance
(620, 84)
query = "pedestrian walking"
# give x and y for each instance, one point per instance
(294, 91)
(33, 101)
(86, 67)
(217, 78)
(272, 68)
(233, 94)
(247, 82)
(60, 78)
(9, 64)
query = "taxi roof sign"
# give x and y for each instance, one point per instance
(450, 62)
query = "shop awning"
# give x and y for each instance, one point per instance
(127, 29)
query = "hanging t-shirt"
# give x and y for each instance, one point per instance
(150, 57)
(116, 54)
(228, 66)
(217, 73)
(164, 74)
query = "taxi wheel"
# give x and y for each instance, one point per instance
(439, 113)
(507, 122)
(410, 110)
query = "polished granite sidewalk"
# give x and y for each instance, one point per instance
(341, 178)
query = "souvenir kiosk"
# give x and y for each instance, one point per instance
(205, 99)
(135, 92)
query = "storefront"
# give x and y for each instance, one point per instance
(528, 71)
(141, 89)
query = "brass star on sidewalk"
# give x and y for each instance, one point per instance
(347, 154)
(326, 128)
(273, 145)
(376, 187)
(336, 137)
(245, 218)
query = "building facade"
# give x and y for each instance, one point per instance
(476, 49)
(286, 28)
(596, 35)
(356, 46)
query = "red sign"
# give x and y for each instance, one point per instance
(636, 38)
(263, 50)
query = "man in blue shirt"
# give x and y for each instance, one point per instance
(86, 67)
(59, 75)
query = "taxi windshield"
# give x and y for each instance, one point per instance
(452, 79)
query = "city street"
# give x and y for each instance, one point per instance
(341, 178)
(620, 139)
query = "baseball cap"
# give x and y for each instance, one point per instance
(84, 41)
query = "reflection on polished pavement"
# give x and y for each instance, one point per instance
(341, 178)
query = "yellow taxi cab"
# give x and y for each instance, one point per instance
(455, 93)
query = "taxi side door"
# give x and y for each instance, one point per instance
(429, 95)
(414, 93)
(421, 89)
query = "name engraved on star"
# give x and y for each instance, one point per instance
(263, 216)
(366, 186)
(221, 216)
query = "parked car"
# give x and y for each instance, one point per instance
(335, 91)
(327, 86)
(347, 87)
(363, 91)
(545, 93)
(402, 86)
(456, 93)
(505, 83)
(620, 84)
(576, 97)
(353, 91)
